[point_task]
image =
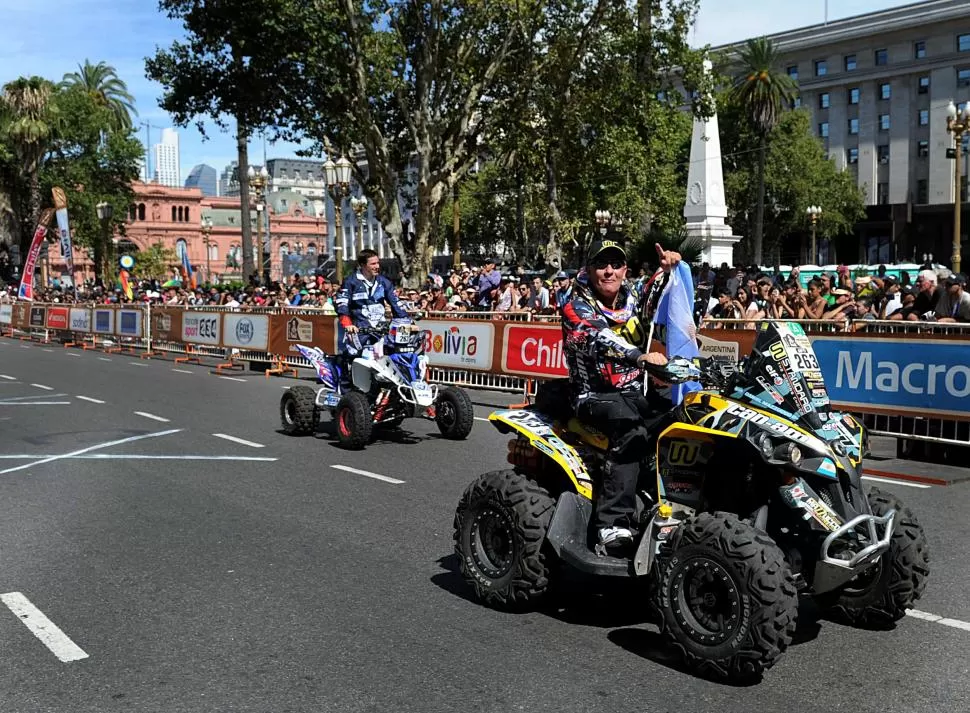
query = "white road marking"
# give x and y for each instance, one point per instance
(367, 473)
(231, 378)
(238, 440)
(183, 371)
(926, 616)
(479, 418)
(43, 628)
(24, 346)
(31, 398)
(137, 363)
(896, 482)
(97, 447)
(8, 378)
(152, 416)
(136, 456)
(35, 403)
(103, 359)
(73, 354)
(47, 350)
(88, 398)
(45, 388)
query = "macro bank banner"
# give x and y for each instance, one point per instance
(918, 377)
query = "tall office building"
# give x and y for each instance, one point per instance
(202, 177)
(228, 181)
(166, 159)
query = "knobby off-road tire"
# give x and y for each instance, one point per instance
(355, 422)
(727, 598)
(500, 539)
(881, 596)
(454, 413)
(299, 414)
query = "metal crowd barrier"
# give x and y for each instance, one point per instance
(811, 325)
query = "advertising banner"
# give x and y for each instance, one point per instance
(37, 316)
(80, 320)
(201, 327)
(288, 330)
(64, 230)
(166, 324)
(21, 316)
(533, 350)
(104, 321)
(6, 314)
(128, 323)
(246, 331)
(467, 344)
(26, 291)
(58, 317)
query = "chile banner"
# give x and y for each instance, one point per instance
(63, 230)
(40, 232)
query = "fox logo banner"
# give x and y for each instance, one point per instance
(676, 313)
(26, 291)
(63, 229)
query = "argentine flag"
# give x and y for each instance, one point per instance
(675, 312)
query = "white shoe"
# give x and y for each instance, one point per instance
(614, 536)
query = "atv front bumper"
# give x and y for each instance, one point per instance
(832, 572)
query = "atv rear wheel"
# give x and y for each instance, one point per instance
(299, 414)
(454, 413)
(882, 595)
(355, 422)
(500, 534)
(727, 597)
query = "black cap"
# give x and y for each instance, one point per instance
(957, 279)
(602, 245)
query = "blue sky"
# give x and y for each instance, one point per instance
(51, 37)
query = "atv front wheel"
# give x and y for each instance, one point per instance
(299, 414)
(355, 422)
(882, 595)
(727, 597)
(500, 533)
(454, 413)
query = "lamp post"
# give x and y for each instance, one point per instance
(337, 176)
(359, 205)
(814, 212)
(206, 232)
(957, 122)
(105, 213)
(258, 182)
(603, 218)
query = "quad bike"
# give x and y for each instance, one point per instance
(380, 388)
(752, 496)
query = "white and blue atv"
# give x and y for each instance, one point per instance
(384, 385)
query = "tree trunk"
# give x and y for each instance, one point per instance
(553, 253)
(759, 216)
(242, 147)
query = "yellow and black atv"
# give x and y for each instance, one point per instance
(752, 496)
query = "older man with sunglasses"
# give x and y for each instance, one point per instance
(605, 373)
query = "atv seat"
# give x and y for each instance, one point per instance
(554, 399)
(587, 434)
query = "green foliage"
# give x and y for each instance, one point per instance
(102, 83)
(155, 261)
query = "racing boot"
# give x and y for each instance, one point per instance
(614, 542)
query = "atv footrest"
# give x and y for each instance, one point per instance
(567, 536)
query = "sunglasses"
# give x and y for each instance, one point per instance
(616, 263)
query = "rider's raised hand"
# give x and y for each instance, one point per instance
(668, 258)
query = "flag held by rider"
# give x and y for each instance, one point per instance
(675, 312)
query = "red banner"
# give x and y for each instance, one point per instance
(58, 317)
(27, 281)
(533, 350)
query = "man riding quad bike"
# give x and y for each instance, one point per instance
(748, 494)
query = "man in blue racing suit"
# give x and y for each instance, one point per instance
(360, 303)
(606, 376)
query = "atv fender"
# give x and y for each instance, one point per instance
(567, 535)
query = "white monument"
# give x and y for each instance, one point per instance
(705, 209)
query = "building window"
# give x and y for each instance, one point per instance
(821, 68)
(922, 192)
(963, 78)
(282, 203)
(963, 43)
(882, 193)
(823, 129)
(823, 100)
(923, 149)
(854, 95)
(885, 91)
(796, 103)
(141, 211)
(176, 214)
(919, 50)
(309, 176)
(853, 126)
(924, 117)
(850, 63)
(792, 71)
(132, 212)
(924, 85)
(882, 57)
(852, 156)
(883, 153)
(884, 122)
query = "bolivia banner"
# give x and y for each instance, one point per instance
(40, 232)
(63, 230)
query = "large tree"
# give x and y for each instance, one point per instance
(764, 91)
(102, 83)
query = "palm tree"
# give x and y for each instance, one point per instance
(102, 81)
(763, 91)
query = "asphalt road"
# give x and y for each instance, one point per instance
(186, 580)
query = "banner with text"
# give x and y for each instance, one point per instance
(465, 345)
(201, 328)
(246, 331)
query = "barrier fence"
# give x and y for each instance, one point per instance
(905, 379)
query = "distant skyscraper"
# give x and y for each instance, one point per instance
(203, 177)
(166, 159)
(228, 181)
(142, 171)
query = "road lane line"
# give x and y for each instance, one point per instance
(137, 363)
(479, 418)
(8, 378)
(43, 628)
(152, 416)
(895, 482)
(935, 619)
(45, 388)
(31, 398)
(368, 474)
(231, 378)
(35, 403)
(96, 447)
(73, 354)
(47, 350)
(103, 359)
(88, 398)
(184, 371)
(123, 456)
(238, 440)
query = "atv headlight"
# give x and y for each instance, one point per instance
(764, 444)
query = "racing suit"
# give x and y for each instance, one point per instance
(361, 303)
(608, 396)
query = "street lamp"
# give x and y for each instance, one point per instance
(603, 220)
(105, 213)
(206, 232)
(359, 205)
(258, 182)
(957, 122)
(337, 176)
(814, 212)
